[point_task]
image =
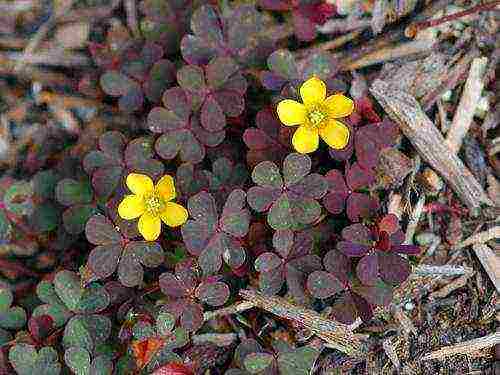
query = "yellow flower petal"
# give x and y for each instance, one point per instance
(131, 207)
(305, 140)
(174, 215)
(335, 134)
(139, 184)
(149, 227)
(313, 92)
(291, 112)
(339, 105)
(166, 187)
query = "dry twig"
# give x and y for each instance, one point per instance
(233, 309)
(429, 142)
(467, 106)
(481, 237)
(467, 347)
(336, 335)
(490, 262)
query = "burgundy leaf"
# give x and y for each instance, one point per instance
(283, 240)
(337, 264)
(323, 284)
(367, 269)
(212, 116)
(352, 249)
(361, 206)
(213, 294)
(101, 231)
(357, 233)
(358, 177)
(393, 268)
(267, 262)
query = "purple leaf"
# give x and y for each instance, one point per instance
(357, 233)
(361, 206)
(358, 177)
(270, 283)
(171, 286)
(231, 103)
(322, 284)
(305, 30)
(283, 240)
(101, 231)
(367, 269)
(212, 117)
(337, 264)
(213, 294)
(192, 317)
(103, 260)
(267, 262)
(393, 268)
(352, 249)
(313, 186)
(295, 168)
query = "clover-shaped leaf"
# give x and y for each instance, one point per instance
(182, 133)
(115, 251)
(291, 263)
(185, 288)
(345, 192)
(285, 73)
(10, 317)
(291, 201)
(236, 33)
(220, 82)
(27, 361)
(268, 140)
(215, 238)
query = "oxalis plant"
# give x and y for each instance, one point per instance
(245, 170)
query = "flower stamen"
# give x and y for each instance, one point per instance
(317, 117)
(154, 204)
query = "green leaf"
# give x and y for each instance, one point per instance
(267, 174)
(257, 362)
(86, 331)
(70, 192)
(18, 198)
(59, 313)
(165, 323)
(26, 361)
(78, 360)
(191, 78)
(283, 63)
(10, 317)
(297, 362)
(68, 288)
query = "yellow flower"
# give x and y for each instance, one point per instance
(316, 117)
(152, 205)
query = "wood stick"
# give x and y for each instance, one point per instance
(390, 53)
(337, 335)
(453, 78)
(233, 309)
(490, 262)
(430, 144)
(468, 103)
(414, 220)
(467, 347)
(480, 238)
(445, 270)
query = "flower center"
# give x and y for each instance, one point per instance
(317, 117)
(154, 204)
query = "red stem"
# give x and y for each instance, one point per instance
(412, 30)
